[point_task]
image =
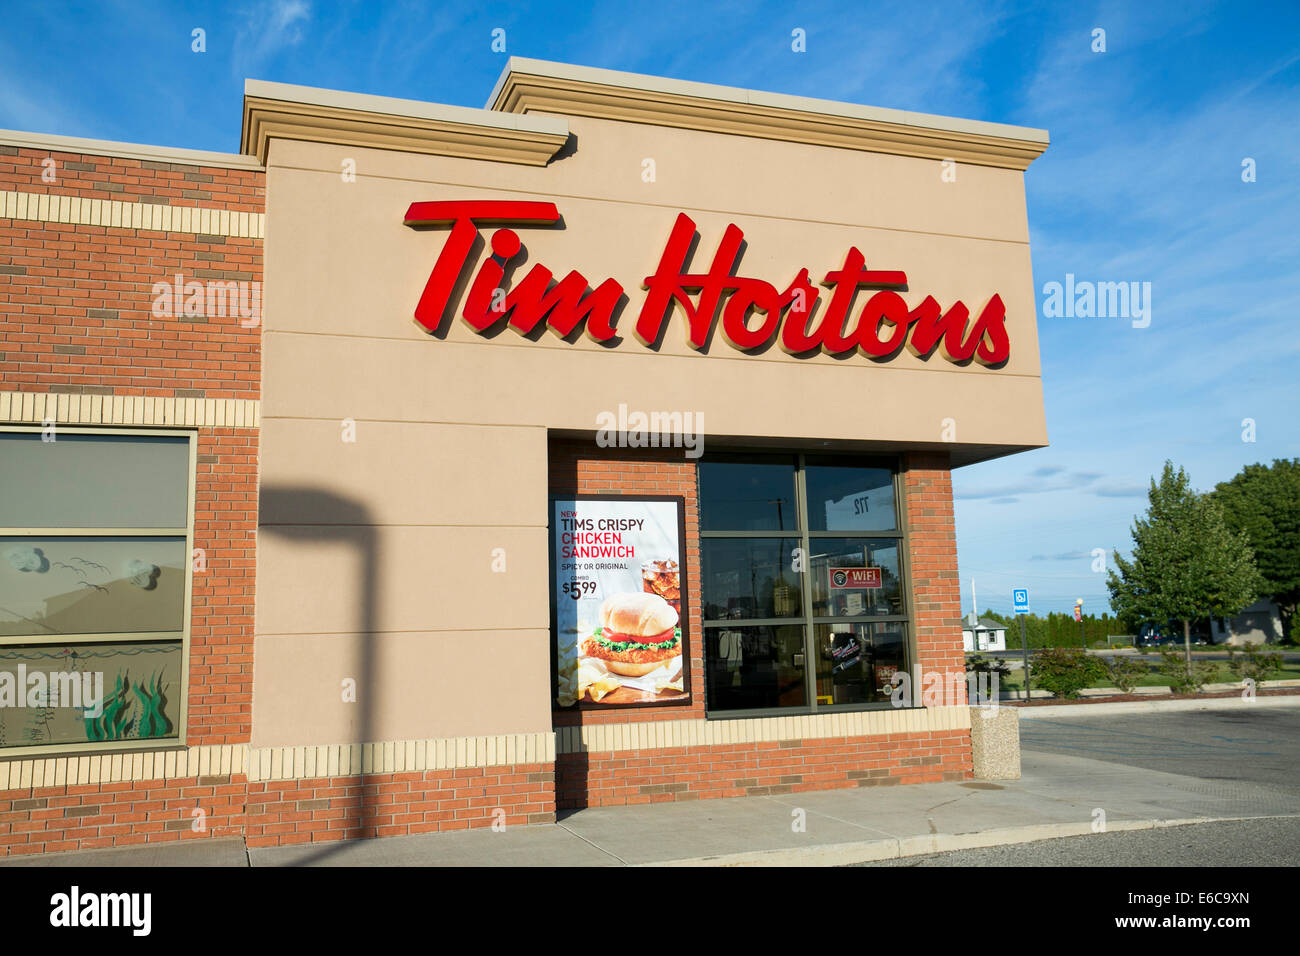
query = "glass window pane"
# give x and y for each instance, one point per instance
(91, 693)
(93, 481)
(842, 497)
(754, 667)
(749, 578)
(80, 585)
(856, 661)
(747, 496)
(877, 592)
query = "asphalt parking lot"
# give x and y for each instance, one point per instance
(1257, 745)
(1248, 757)
(1264, 842)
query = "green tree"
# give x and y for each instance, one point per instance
(1263, 502)
(1186, 563)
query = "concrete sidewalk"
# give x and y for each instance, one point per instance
(1057, 796)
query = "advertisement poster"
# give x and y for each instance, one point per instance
(619, 601)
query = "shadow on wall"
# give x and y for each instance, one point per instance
(317, 516)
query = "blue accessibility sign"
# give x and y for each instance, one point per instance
(1020, 598)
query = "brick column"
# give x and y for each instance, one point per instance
(932, 560)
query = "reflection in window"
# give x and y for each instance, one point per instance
(745, 578)
(94, 481)
(747, 496)
(801, 575)
(843, 498)
(755, 667)
(83, 585)
(856, 661)
(99, 608)
(878, 553)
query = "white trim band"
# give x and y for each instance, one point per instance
(34, 408)
(36, 772)
(658, 735)
(117, 214)
(278, 763)
(452, 753)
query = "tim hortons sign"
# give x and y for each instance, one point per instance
(881, 330)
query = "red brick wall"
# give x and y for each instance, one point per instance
(932, 558)
(76, 316)
(51, 819)
(760, 769)
(399, 804)
(221, 614)
(92, 816)
(131, 180)
(584, 468)
(76, 312)
(644, 776)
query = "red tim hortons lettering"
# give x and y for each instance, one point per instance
(464, 217)
(881, 330)
(526, 304)
(846, 282)
(671, 284)
(532, 298)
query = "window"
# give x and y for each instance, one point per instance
(96, 537)
(802, 570)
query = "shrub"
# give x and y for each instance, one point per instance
(1254, 663)
(993, 665)
(1174, 667)
(1064, 671)
(993, 670)
(1124, 672)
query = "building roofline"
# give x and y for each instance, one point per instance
(286, 111)
(103, 147)
(528, 85)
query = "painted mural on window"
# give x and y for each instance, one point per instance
(89, 693)
(91, 585)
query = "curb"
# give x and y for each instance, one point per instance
(1102, 709)
(871, 851)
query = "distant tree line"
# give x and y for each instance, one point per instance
(1057, 630)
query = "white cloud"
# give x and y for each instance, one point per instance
(268, 29)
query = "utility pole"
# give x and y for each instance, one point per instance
(1020, 606)
(1024, 653)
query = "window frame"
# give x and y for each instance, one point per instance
(178, 742)
(807, 620)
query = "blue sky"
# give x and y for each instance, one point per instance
(1142, 183)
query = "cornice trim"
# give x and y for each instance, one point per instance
(275, 111)
(766, 116)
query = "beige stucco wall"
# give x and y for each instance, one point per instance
(449, 461)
